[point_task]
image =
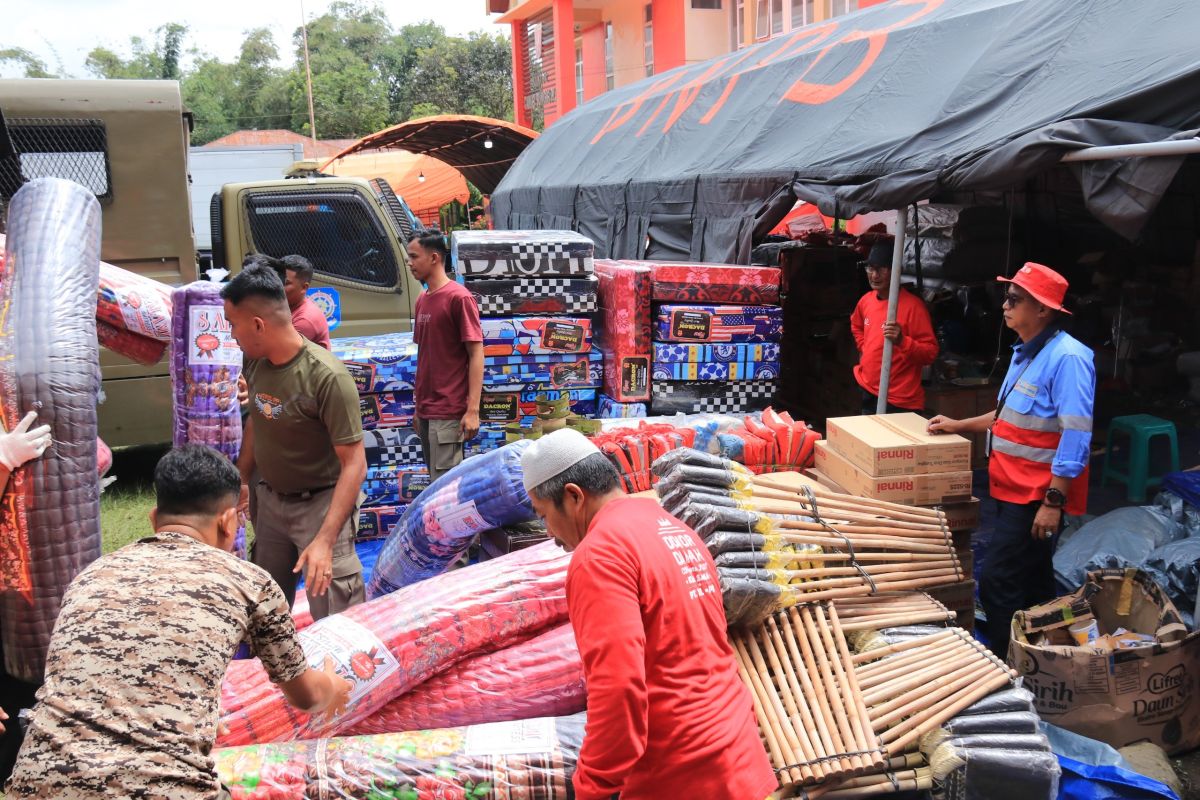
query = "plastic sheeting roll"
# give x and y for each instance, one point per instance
(529, 759)
(539, 677)
(49, 363)
(481, 493)
(389, 646)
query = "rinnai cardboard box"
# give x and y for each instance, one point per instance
(897, 444)
(962, 516)
(1122, 696)
(914, 490)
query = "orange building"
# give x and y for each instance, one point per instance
(615, 42)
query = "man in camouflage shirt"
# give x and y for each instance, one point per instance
(133, 676)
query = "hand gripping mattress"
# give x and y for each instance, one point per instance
(390, 645)
(539, 677)
(515, 254)
(205, 365)
(522, 760)
(480, 493)
(49, 363)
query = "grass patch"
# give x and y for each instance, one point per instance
(125, 505)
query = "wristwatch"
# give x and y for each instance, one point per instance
(1054, 499)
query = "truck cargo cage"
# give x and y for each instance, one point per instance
(73, 149)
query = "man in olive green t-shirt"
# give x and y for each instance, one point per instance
(304, 435)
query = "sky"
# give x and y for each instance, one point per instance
(66, 30)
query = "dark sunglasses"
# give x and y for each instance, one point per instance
(1011, 299)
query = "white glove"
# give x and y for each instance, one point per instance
(23, 444)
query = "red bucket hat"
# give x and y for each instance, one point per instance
(1047, 286)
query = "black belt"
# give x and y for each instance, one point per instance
(301, 495)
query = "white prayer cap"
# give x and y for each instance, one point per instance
(554, 454)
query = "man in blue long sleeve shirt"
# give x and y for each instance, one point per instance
(1041, 435)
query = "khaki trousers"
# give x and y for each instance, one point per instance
(441, 445)
(286, 524)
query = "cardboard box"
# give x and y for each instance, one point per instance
(959, 598)
(913, 490)
(897, 444)
(962, 516)
(1122, 696)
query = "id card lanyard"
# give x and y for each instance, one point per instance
(1004, 397)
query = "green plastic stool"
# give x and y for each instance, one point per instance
(1135, 473)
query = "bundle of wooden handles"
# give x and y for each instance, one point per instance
(837, 723)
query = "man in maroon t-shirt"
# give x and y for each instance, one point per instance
(666, 710)
(306, 317)
(449, 357)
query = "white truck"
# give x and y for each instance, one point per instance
(213, 167)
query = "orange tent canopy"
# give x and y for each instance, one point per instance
(402, 171)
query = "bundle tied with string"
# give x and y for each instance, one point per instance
(778, 541)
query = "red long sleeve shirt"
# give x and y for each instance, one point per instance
(666, 711)
(918, 347)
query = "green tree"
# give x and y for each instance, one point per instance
(32, 66)
(154, 59)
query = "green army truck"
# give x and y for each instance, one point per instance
(127, 141)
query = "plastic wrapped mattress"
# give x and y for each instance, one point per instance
(480, 493)
(386, 363)
(625, 292)
(715, 283)
(522, 760)
(515, 254)
(539, 677)
(49, 363)
(205, 365)
(506, 297)
(703, 397)
(718, 323)
(521, 336)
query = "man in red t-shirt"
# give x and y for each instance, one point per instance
(449, 356)
(307, 319)
(914, 344)
(666, 710)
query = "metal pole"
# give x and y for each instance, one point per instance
(1177, 147)
(885, 370)
(312, 117)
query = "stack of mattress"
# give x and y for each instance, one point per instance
(716, 332)
(625, 294)
(536, 291)
(384, 369)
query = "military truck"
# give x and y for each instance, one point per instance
(127, 141)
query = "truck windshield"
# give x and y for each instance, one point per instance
(334, 230)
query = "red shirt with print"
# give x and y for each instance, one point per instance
(918, 347)
(666, 710)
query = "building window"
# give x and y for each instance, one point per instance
(707, 5)
(579, 71)
(609, 74)
(737, 29)
(839, 7)
(802, 13)
(768, 19)
(648, 40)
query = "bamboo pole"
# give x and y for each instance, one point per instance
(836, 515)
(826, 493)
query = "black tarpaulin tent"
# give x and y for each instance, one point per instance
(867, 112)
